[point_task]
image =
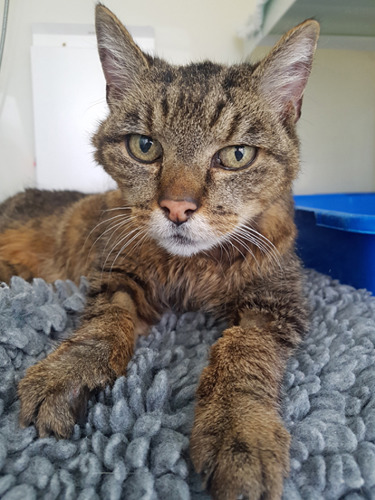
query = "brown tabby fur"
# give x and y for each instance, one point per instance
(238, 442)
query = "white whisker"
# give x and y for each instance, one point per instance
(142, 231)
(141, 241)
(117, 208)
(100, 223)
(117, 243)
(125, 221)
(241, 242)
(236, 248)
(261, 241)
(116, 227)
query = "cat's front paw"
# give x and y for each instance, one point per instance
(239, 455)
(52, 398)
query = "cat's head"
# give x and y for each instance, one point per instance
(200, 151)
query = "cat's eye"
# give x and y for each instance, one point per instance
(143, 148)
(235, 157)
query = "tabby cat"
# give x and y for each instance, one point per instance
(204, 156)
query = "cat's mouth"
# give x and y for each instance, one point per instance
(185, 240)
(182, 239)
(180, 244)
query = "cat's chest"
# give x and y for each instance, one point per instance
(195, 284)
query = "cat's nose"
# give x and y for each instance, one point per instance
(178, 211)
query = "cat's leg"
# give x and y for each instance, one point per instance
(6, 271)
(54, 392)
(239, 443)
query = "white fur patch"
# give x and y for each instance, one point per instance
(192, 237)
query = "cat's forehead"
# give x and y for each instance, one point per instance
(199, 95)
(204, 76)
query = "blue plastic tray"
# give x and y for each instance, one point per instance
(336, 236)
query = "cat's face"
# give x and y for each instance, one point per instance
(199, 151)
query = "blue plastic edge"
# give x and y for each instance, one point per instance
(346, 222)
(343, 221)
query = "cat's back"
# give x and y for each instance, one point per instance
(35, 204)
(43, 233)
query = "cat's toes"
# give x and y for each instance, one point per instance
(32, 390)
(237, 465)
(53, 402)
(60, 410)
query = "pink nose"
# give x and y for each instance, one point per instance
(178, 211)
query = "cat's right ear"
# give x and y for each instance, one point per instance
(122, 60)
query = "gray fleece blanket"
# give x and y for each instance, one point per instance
(134, 445)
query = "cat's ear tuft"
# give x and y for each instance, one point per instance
(122, 60)
(283, 74)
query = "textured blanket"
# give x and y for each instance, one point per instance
(134, 445)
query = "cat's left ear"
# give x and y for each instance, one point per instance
(283, 74)
(122, 60)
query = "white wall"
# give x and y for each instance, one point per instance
(337, 126)
(185, 30)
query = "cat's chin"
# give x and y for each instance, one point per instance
(183, 247)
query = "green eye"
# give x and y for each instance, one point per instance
(235, 157)
(143, 148)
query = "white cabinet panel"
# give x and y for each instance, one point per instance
(69, 101)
